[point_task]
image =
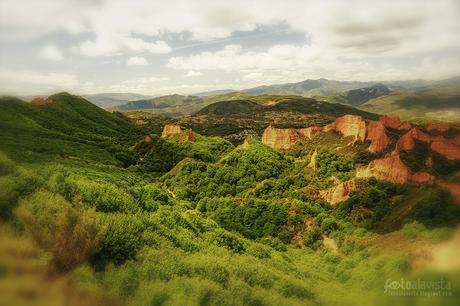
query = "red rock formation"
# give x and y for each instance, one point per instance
(391, 122)
(376, 133)
(40, 101)
(405, 126)
(407, 143)
(283, 139)
(349, 125)
(446, 148)
(392, 169)
(456, 140)
(174, 131)
(438, 127)
(421, 177)
(286, 139)
(310, 132)
(339, 193)
(395, 123)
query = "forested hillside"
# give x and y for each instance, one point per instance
(99, 210)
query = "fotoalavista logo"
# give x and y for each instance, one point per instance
(418, 287)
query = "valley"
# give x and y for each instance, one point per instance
(286, 200)
(416, 100)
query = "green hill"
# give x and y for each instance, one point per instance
(171, 104)
(421, 106)
(69, 126)
(229, 108)
(360, 96)
(307, 88)
(110, 100)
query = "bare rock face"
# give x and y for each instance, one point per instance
(376, 133)
(312, 163)
(339, 193)
(392, 169)
(446, 148)
(283, 139)
(40, 101)
(175, 131)
(456, 140)
(395, 123)
(349, 125)
(438, 127)
(405, 126)
(422, 177)
(407, 143)
(391, 122)
(171, 130)
(286, 139)
(310, 132)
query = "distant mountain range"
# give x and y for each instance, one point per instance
(161, 102)
(413, 99)
(108, 100)
(360, 96)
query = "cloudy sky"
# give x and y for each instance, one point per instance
(183, 46)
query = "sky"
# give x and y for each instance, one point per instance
(159, 47)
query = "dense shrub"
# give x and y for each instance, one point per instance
(256, 219)
(228, 240)
(161, 155)
(377, 196)
(237, 173)
(415, 159)
(151, 196)
(437, 209)
(105, 197)
(331, 164)
(68, 232)
(122, 239)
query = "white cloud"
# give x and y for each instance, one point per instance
(233, 58)
(50, 52)
(136, 61)
(252, 76)
(32, 82)
(289, 63)
(355, 39)
(193, 73)
(359, 25)
(146, 80)
(109, 46)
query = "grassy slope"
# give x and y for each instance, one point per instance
(184, 257)
(418, 106)
(70, 126)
